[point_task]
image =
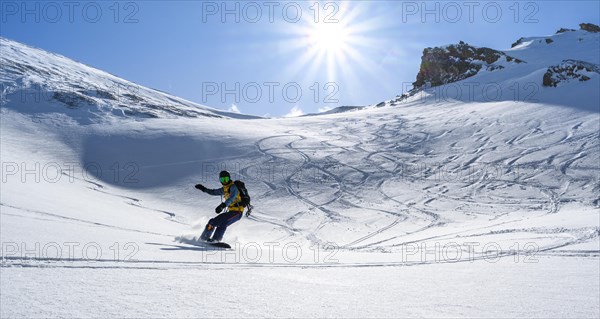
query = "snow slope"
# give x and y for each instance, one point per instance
(435, 208)
(36, 81)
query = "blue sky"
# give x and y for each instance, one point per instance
(277, 57)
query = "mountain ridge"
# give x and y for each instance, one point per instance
(38, 81)
(457, 71)
(59, 84)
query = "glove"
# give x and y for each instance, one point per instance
(220, 208)
(200, 187)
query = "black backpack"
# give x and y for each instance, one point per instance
(245, 202)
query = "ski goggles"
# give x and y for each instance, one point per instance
(224, 179)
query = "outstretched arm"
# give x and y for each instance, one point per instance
(215, 192)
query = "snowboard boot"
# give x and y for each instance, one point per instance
(207, 233)
(219, 232)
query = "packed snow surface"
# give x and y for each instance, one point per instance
(428, 208)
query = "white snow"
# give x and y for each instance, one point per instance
(431, 208)
(31, 78)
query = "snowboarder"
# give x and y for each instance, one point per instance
(215, 229)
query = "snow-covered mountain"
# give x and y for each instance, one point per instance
(36, 81)
(560, 69)
(427, 206)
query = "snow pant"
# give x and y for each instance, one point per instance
(217, 226)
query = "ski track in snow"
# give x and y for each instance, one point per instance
(364, 184)
(77, 220)
(400, 149)
(377, 159)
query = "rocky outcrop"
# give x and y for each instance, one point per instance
(520, 41)
(73, 100)
(443, 65)
(589, 27)
(563, 30)
(517, 42)
(569, 70)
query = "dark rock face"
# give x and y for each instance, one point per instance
(569, 70)
(517, 42)
(589, 27)
(72, 100)
(548, 41)
(99, 93)
(563, 30)
(456, 62)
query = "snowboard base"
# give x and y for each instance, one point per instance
(219, 244)
(198, 242)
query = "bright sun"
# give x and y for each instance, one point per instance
(332, 46)
(329, 37)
